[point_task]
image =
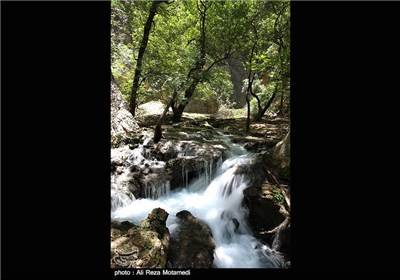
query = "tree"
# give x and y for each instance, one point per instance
(127, 22)
(251, 74)
(157, 130)
(267, 56)
(178, 53)
(217, 40)
(142, 49)
(195, 74)
(220, 35)
(282, 40)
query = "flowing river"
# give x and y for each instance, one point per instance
(215, 197)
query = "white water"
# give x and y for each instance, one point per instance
(216, 200)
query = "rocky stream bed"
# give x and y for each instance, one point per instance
(208, 195)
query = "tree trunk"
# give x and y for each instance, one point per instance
(157, 129)
(178, 111)
(250, 78)
(261, 113)
(142, 49)
(248, 113)
(197, 72)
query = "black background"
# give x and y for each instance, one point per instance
(55, 141)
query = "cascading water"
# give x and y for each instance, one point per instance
(120, 195)
(217, 200)
(154, 187)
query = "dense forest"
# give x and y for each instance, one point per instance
(200, 134)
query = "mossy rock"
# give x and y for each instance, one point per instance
(192, 246)
(266, 209)
(150, 240)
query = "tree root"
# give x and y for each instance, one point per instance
(287, 200)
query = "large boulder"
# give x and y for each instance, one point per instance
(266, 209)
(253, 170)
(279, 158)
(186, 160)
(133, 173)
(185, 169)
(255, 144)
(192, 245)
(143, 246)
(171, 149)
(203, 106)
(151, 170)
(123, 125)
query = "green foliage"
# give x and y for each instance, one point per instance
(216, 84)
(232, 28)
(268, 53)
(227, 111)
(277, 195)
(264, 93)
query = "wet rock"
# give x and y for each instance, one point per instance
(184, 170)
(255, 144)
(279, 159)
(134, 185)
(253, 170)
(287, 264)
(171, 149)
(155, 185)
(119, 170)
(192, 246)
(266, 209)
(146, 171)
(236, 223)
(120, 155)
(113, 167)
(122, 226)
(258, 146)
(252, 147)
(133, 146)
(156, 221)
(134, 168)
(125, 179)
(186, 160)
(141, 247)
(227, 215)
(139, 173)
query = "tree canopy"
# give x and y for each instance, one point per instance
(182, 49)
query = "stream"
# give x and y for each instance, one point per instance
(215, 197)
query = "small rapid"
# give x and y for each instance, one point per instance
(214, 197)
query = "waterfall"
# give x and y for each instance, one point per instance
(216, 198)
(120, 195)
(185, 176)
(156, 189)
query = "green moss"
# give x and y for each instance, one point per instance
(144, 224)
(277, 195)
